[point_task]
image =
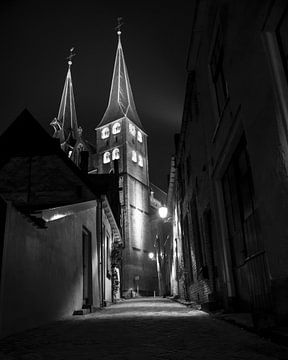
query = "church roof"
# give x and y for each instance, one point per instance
(65, 125)
(121, 103)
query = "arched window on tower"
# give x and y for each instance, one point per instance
(115, 154)
(139, 136)
(132, 129)
(140, 160)
(134, 156)
(116, 128)
(105, 132)
(106, 157)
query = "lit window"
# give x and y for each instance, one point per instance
(140, 160)
(132, 129)
(115, 154)
(134, 156)
(69, 153)
(106, 157)
(139, 136)
(116, 128)
(105, 133)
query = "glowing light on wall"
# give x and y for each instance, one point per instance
(163, 212)
(151, 256)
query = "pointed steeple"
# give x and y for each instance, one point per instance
(65, 125)
(121, 102)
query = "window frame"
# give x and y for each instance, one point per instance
(134, 156)
(116, 128)
(116, 151)
(103, 135)
(106, 155)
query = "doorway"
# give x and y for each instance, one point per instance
(87, 268)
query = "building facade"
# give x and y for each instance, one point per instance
(231, 160)
(57, 232)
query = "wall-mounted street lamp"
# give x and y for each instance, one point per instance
(151, 256)
(163, 212)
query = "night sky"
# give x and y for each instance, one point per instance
(35, 40)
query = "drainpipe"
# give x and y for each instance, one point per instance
(100, 248)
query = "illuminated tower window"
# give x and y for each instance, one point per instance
(106, 157)
(105, 133)
(140, 160)
(139, 136)
(115, 154)
(134, 156)
(116, 128)
(132, 129)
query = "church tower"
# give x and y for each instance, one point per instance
(121, 136)
(66, 128)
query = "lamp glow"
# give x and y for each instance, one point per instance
(151, 255)
(163, 211)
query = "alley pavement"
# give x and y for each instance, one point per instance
(142, 328)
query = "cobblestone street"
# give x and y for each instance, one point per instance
(143, 328)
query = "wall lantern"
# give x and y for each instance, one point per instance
(163, 212)
(151, 255)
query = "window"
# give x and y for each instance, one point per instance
(116, 128)
(105, 133)
(106, 157)
(218, 78)
(139, 136)
(132, 129)
(134, 156)
(115, 154)
(140, 160)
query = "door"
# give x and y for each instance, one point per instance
(87, 268)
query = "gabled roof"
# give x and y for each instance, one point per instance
(121, 103)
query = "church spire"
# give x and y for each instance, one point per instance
(121, 102)
(65, 125)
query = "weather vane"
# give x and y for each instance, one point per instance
(69, 58)
(118, 27)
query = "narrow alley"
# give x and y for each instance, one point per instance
(143, 328)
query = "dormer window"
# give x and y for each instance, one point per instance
(140, 160)
(116, 128)
(105, 133)
(132, 129)
(134, 156)
(106, 157)
(139, 136)
(115, 154)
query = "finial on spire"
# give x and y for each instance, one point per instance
(69, 58)
(118, 27)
